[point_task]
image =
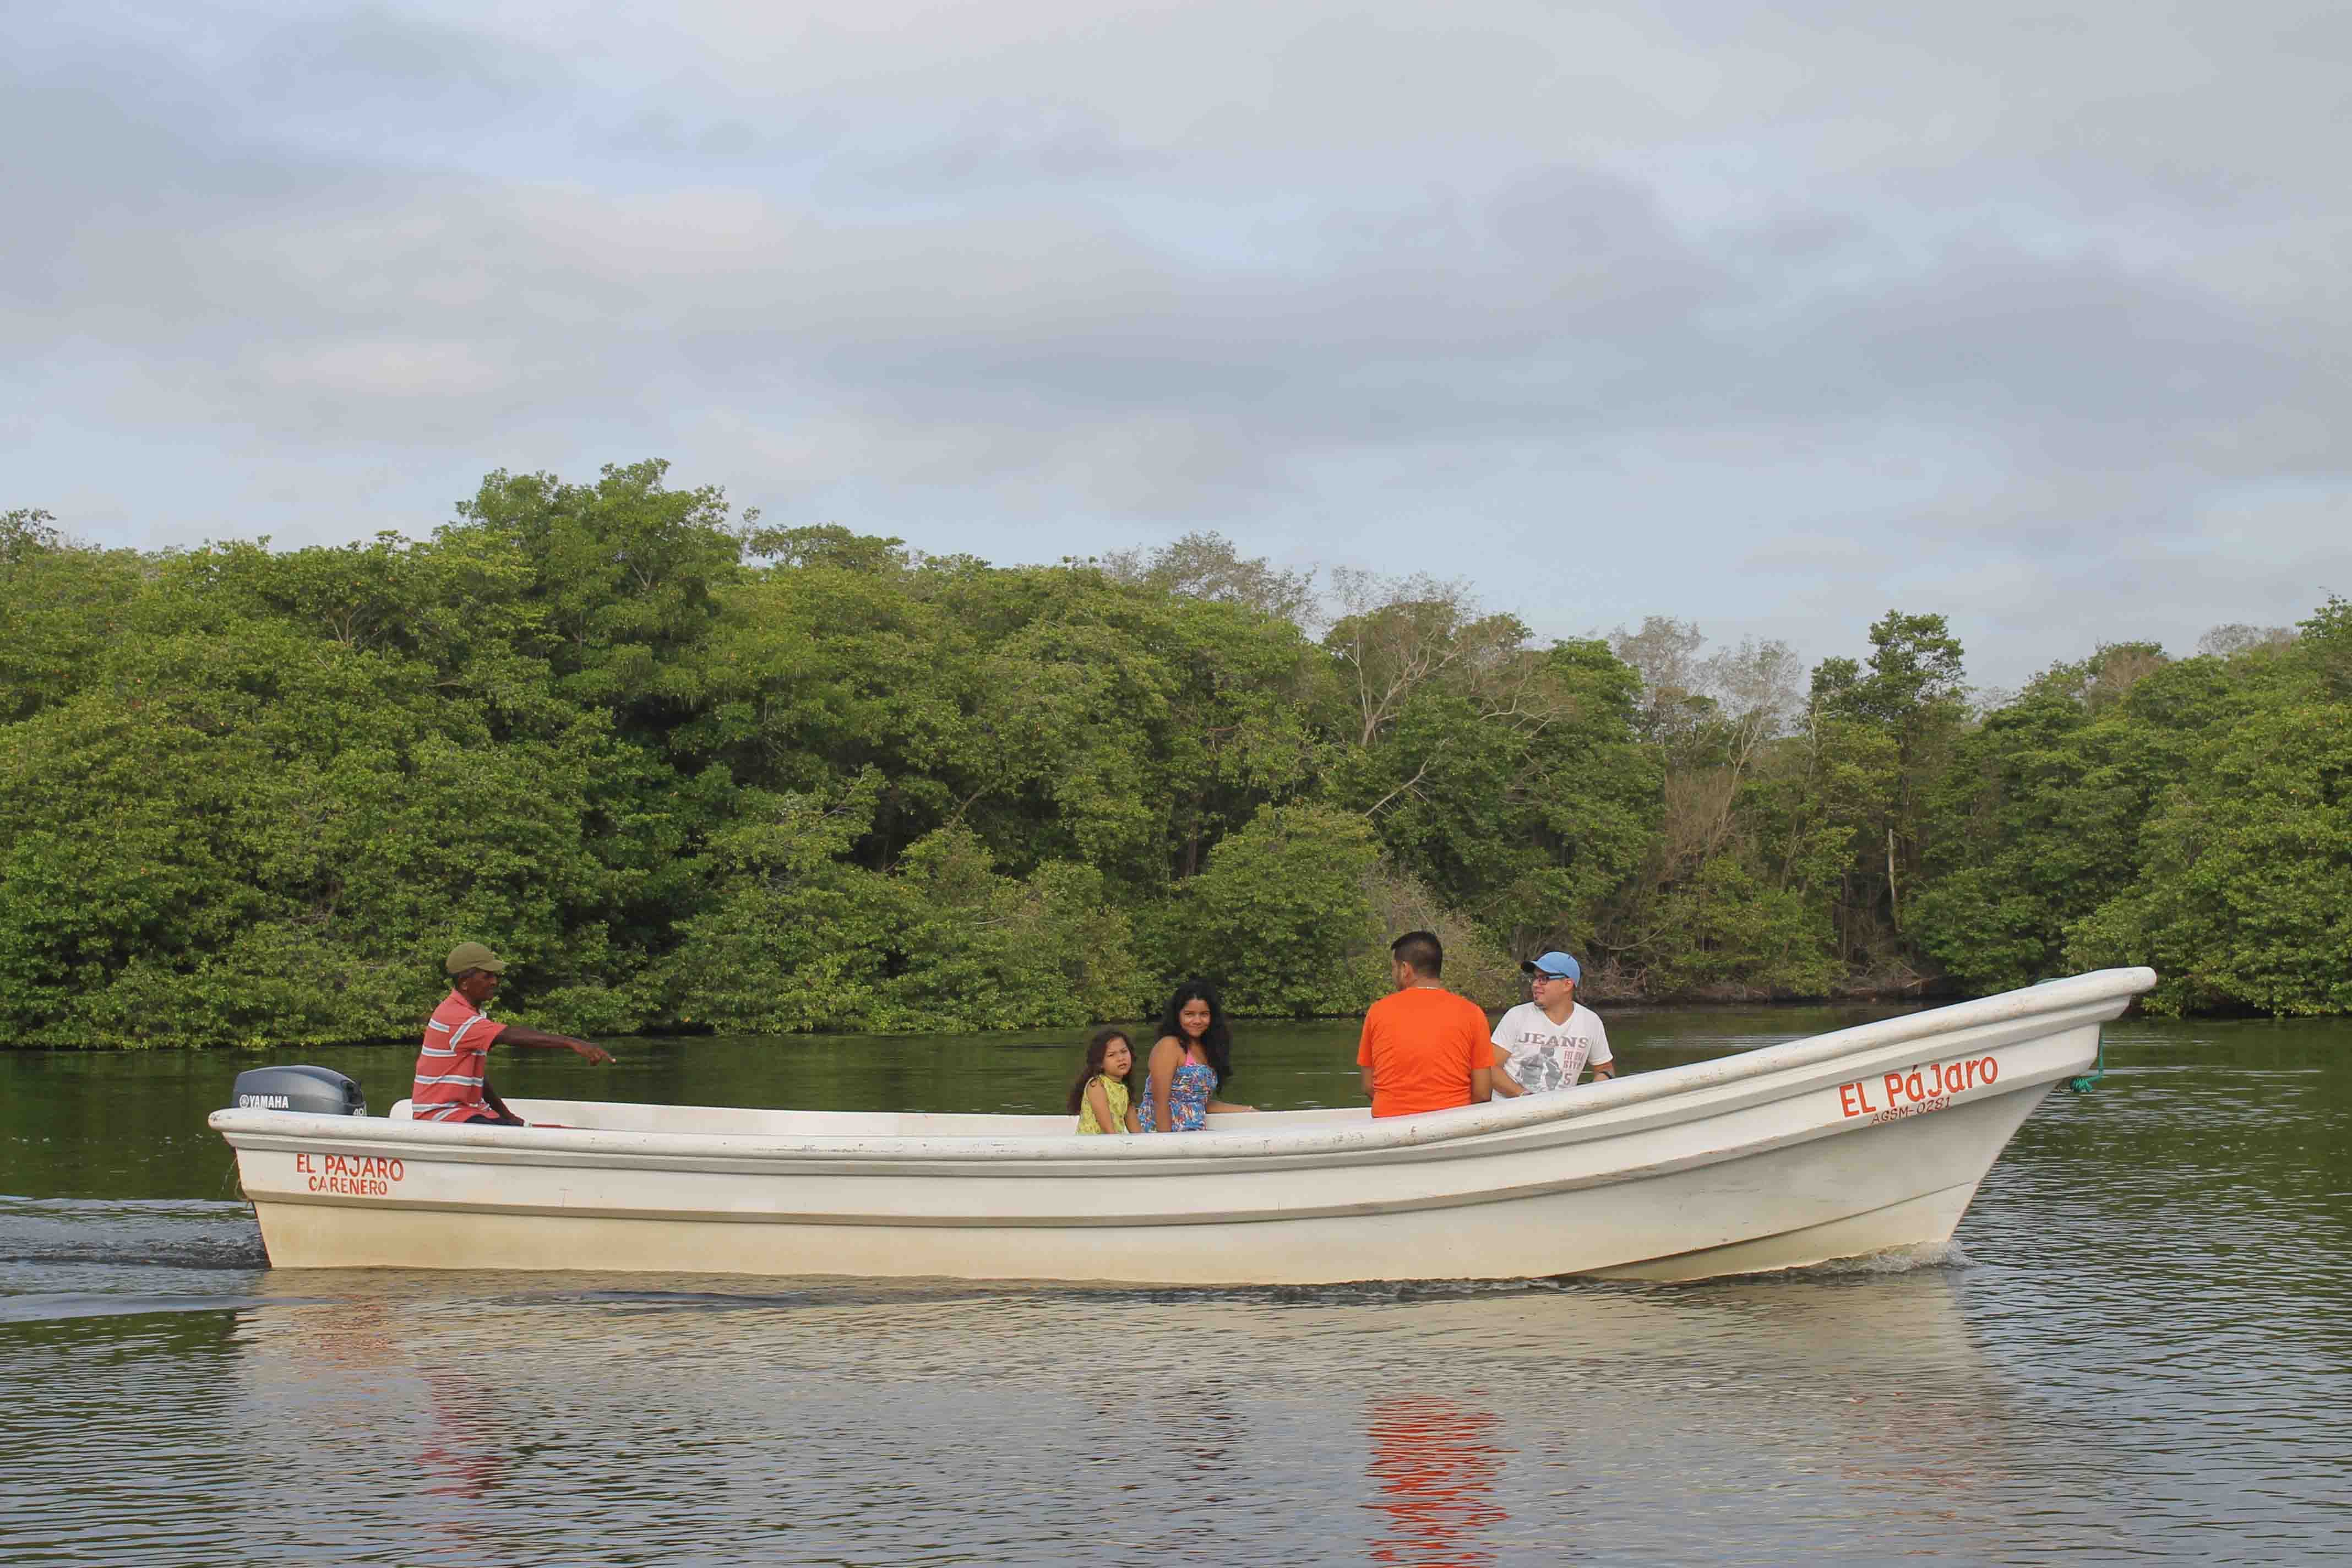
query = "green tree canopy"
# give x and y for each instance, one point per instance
(687, 770)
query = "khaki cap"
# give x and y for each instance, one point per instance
(474, 955)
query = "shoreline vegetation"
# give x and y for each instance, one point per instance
(688, 771)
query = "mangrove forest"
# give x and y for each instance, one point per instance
(688, 771)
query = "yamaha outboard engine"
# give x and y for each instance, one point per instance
(319, 1091)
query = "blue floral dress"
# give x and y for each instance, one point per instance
(1188, 1098)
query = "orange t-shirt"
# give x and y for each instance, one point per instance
(1422, 1046)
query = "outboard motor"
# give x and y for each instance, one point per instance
(317, 1091)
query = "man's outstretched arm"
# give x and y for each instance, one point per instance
(524, 1035)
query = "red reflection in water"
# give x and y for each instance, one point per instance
(466, 1452)
(1435, 1464)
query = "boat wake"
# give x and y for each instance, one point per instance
(146, 1233)
(54, 1306)
(1894, 1260)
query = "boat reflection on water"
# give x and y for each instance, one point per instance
(1633, 1415)
(1482, 1421)
(362, 1375)
(466, 1456)
(1434, 1465)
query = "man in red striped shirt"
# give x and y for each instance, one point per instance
(452, 1083)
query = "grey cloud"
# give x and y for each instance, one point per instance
(2074, 337)
(662, 132)
(1015, 144)
(974, 331)
(331, 60)
(1086, 315)
(2025, 365)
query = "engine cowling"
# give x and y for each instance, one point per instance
(315, 1091)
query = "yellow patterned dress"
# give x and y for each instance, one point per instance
(1114, 1091)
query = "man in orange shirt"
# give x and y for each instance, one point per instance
(1423, 1048)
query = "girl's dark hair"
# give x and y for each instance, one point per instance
(1216, 1041)
(1095, 1050)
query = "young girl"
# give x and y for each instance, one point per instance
(1098, 1099)
(1194, 1053)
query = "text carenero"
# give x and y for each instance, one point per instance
(1928, 1087)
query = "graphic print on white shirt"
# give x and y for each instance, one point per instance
(1540, 1054)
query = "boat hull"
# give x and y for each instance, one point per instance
(1822, 1149)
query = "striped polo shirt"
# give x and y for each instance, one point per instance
(449, 1066)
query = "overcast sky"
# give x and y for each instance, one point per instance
(1768, 317)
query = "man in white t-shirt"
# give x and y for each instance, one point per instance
(1545, 1044)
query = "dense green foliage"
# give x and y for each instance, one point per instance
(685, 770)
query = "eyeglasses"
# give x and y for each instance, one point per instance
(1539, 978)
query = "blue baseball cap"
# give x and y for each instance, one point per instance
(1554, 965)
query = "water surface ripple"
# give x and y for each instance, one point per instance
(2137, 1350)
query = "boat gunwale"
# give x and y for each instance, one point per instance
(1468, 1196)
(2063, 1004)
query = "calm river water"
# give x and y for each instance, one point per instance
(2138, 1350)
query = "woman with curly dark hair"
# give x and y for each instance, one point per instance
(1194, 1054)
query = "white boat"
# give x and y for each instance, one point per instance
(1860, 1142)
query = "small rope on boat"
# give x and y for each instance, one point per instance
(2083, 1084)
